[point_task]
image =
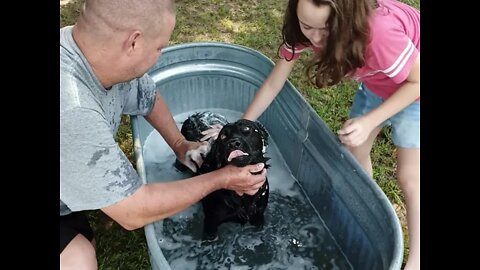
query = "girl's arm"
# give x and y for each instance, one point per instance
(264, 96)
(404, 96)
(356, 130)
(269, 89)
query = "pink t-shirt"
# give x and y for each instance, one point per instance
(287, 53)
(393, 47)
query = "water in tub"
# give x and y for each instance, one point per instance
(293, 237)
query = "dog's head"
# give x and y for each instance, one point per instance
(240, 143)
(199, 122)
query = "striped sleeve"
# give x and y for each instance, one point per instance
(393, 53)
(286, 51)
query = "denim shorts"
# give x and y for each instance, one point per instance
(405, 124)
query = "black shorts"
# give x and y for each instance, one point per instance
(71, 225)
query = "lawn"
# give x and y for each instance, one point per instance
(255, 24)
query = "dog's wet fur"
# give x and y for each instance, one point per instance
(240, 143)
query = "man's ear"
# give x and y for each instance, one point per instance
(132, 42)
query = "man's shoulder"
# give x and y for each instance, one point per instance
(67, 44)
(76, 87)
(78, 114)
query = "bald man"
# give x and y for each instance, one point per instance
(103, 60)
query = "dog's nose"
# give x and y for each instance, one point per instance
(235, 143)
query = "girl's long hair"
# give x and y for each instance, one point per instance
(343, 52)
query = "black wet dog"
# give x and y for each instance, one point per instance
(240, 143)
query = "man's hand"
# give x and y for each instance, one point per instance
(245, 179)
(250, 192)
(211, 133)
(191, 154)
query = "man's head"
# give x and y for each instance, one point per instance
(122, 39)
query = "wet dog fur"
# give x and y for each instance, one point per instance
(240, 143)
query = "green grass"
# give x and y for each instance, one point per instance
(255, 24)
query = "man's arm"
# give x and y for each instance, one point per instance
(156, 201)
(189, 153)
(161, 119)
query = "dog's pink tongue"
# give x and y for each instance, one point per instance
(236, 153)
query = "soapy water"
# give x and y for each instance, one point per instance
(293, 237)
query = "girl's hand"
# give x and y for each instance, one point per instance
(355, 131)
(211, 133)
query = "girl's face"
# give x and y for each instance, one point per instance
(313, 21)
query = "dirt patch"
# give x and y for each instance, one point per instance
(64, 2)
(401, 213)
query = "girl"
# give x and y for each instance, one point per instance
(378, 44)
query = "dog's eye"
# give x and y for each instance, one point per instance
(222, 137)
(246, 129)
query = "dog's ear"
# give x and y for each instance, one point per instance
(213, 159)
(191, 128)
(263, 131)
(265, 161)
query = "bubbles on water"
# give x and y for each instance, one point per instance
(293, 236)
